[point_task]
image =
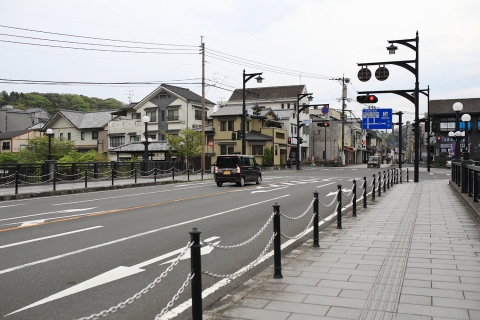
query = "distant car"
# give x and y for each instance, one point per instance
(373, 161)
(449, 164)
(238, 169)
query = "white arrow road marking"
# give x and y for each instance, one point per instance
(49, 237)
(203, 251)
(323, 185)
(31, 223)
(113, 275)
(53, 212)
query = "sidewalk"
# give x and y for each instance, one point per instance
(61, 188)
(413, 254)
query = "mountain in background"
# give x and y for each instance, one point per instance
(52, 102)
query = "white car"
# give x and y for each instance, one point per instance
(449, 164)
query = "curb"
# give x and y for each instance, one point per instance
(474, 206)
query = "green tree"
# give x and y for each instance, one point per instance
(7, 157)
(90, 156)
(37, 149)
(187, 144)
(267, 157)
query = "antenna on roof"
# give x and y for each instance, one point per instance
(130, 95)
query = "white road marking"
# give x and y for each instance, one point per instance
(323, 185)
(32, 223)
(13, 205)
(112, 275)
(49, 237)
(133, 236)
(53, 212)
(276, 189)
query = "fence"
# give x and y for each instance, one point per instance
(466, 174)
(386, 179)
(18, 175)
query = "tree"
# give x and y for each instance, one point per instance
(187, 144)
(37, 149)
(267, 158)
(90, 156)
(7, 157)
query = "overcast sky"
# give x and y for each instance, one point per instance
(291, 41)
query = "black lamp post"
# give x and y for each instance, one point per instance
(457, 107)
(49, 133)
(246, 77)
(146, 141)
(466, 119)
(399, 123)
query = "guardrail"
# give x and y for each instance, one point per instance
(390, 177)
(466, 174)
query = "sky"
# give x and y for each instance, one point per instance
(144, 43)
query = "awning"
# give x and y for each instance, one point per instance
(116, 134)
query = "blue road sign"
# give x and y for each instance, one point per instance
(376, 119)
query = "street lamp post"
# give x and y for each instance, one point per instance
(246, 77)
(457, 107)
(49, 133)
(466, 155)
(300, 96)
(146, 141)
(466, 119)
(49, 165)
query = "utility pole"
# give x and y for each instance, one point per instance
(344, 96)
(203, 106)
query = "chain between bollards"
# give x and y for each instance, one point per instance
(277, 250)
(196, 266)
(354, 204)
(339, 207)
(315, 220)
(364, 192)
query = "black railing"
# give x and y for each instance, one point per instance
(466, 175)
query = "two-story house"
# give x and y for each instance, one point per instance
(277, 99)
(14, 141)
(264, 130)
(169, 109)
(87, 129)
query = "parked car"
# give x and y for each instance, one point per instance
(238, 169)
(448, 164)
(373, 161)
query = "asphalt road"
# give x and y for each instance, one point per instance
(68, 257)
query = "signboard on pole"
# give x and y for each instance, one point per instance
(373, 119)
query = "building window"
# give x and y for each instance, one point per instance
(134, 138)
(462, 126)
(283, 106)
(6, 145)
(117, 141)
(135, 115)
(257, 150)
(226, 149)
(94, 135)
(173, 115)
(152, 115)
(198, 115)
(230, 126)
(82, 135)
(61, 135)
(69, 136)
(223, 126)
(163, 96)
(288, 105)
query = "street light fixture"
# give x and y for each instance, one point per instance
(246, 77)
(49, 133)
(457, 107)
(300, 96)
(466, 119)
(146, 141)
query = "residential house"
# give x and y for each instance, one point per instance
(15, 119)
(14, 141)
(441, 111)
(87, 129)
(277, 99)
(264, 130)
(169, 108)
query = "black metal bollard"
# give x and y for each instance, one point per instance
(315, 220)
(388, 179)
(135, 174)
(113, 174)
(196, 269)
(354, 209)
(364, 192)
(188, 174)
(173, 173)
(155, 173)
(201, 176)
(86, 178)
(407, 174)
(277, 250)
(392, 178)
(384, 181)
(339, 207)
(373, 191)
(380, 184)
(16, 182)
(54, 180)
(401, 174)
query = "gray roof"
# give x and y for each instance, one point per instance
(284, 114)
(445, 107)
(268, 93)
(87, 120)
(228, 111)
(186, 93)
(11, 134)
(257, 136)
(140, 147)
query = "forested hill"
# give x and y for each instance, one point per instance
(52, 102)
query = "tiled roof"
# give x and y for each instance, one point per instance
(257, 136)
(268, 93)
(445, 107)
(11, 134)
(87, 120)
(140, 147)
(228, 111)
(186, 93)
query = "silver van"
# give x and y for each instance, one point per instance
(373, 161)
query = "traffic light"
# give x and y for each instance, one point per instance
(427, 126)
(367, 99)
(289, 140)
(300, 140)
(239, 135)
(439, 138)
(435, 126)
(323, 124)
(234, 136)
